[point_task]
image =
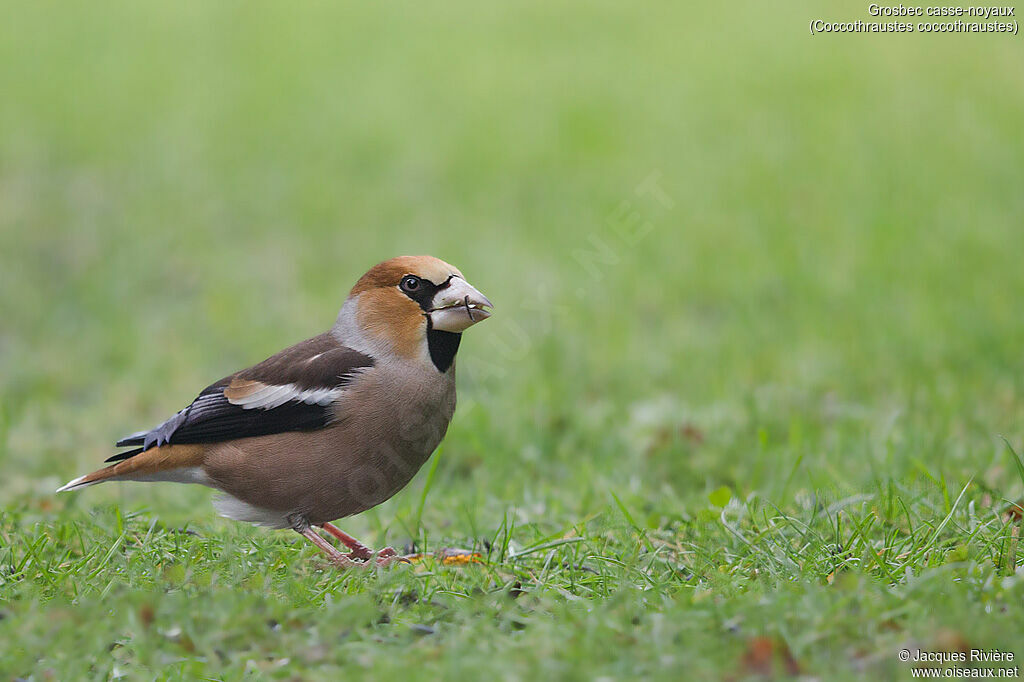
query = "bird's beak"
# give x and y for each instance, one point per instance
(458, 306)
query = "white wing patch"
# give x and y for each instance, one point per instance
(270, 396)
(320, 396)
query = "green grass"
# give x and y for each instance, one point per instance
(759, 410)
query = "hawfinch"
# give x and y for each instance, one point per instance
(332, 426)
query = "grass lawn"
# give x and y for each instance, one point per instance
(741, 408)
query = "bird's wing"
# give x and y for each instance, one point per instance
(290, 391)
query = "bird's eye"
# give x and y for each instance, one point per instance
(410, 283)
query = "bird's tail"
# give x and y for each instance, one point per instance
(142, 466)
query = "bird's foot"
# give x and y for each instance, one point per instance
(342, 560)
(388, 556)
(360, 554)
(339, 559)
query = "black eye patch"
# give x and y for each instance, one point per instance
(421, 290)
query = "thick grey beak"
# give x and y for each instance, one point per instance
(458, 307)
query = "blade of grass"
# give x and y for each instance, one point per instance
(938, 529)
(547, 545)
(426, 490)
(629, 519)
(789, 479)
(861, 529)
(1016, 459)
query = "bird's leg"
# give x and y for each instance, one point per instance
(339, 559)
(359, 550)
(384, 557)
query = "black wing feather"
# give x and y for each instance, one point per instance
(123, 455)
(317, 363)
(221, 420)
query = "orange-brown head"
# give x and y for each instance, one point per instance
(412, 306)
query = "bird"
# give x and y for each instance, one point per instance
(327, 428)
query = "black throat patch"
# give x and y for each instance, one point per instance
(442, 346)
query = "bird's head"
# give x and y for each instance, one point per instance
(412, 306)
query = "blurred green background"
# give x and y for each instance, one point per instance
(815, 295)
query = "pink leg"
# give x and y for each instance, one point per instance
(384, 557)
(339, 559)
(359, 550)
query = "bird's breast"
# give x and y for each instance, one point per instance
(400, 411)
(388, 426)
